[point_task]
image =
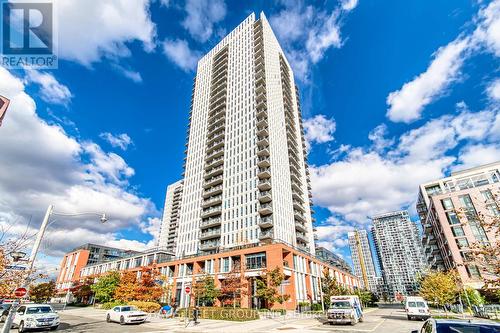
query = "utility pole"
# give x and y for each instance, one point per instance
(31, 261)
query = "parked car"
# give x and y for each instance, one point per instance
(344, 309)
(126, 314)
(416, 307)
(35, 317)
(4, 311)
(458, 326)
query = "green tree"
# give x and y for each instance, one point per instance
(205, 292)
(440, 287)
(471, 296)
(104, 288)
(366, 297)
(42, 292)
(331, 287)
(267, 287)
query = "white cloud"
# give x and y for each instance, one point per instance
(201, 17)
(478, 154)
(349, 4)
(366, 181)
(179, 53)
(319, 129)
(50, 167)
(128, 73)
(121, 141)
(488, 31)
(377, 136)
(51, 90)
(494, 90)
(297, 25)
(89, 32)
(321, 38)
(407, 104)
(332, 234)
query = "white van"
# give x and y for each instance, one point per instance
(416, 307)
(345, 309)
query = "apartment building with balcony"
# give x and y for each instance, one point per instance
(332, 258)
(449, 210)
(302, 272)
(167, 238)
(363, 261)
(87, 254)
(246, 178)
(399, 250)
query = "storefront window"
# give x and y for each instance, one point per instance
(256, 260)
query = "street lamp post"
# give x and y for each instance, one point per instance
(17, 256)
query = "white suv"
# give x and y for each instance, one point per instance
(36, 316)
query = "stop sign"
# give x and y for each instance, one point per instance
(188, 290)
(20, 292)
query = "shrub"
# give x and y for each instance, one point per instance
(218, 313)
(316, 307)
(146, 306)
(110, 305)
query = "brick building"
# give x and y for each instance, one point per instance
(302, 271)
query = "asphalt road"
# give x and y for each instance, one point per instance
(376, 321)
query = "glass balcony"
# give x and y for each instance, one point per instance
(265, 196)
(212, 201)
(213, 181)
(262, 130)
(301, 236)
(264, 184)
(215, 145)
(210, 234)
(299, 215)
(300, 226)
(214, 162)
(209, 245)
(211, 212)
(264, 162)
(297, 204)
(264, 173)
(212, 191)
(266, 235)
(266, 209)
(215, 153)
(263, 151)
(212, 222)
(266, 222)
(262, 141)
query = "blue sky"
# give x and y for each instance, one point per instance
(394, 93)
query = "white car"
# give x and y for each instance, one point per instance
(416, 307)
(35, 316)
(126, 314)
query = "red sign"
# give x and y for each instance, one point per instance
(20, 292)
(188, 290)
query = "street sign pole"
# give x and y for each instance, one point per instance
(19, 293)
(186, 319)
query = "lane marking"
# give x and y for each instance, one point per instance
(350, 329)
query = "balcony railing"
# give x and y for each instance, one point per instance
(210, 234)
(211, 212)
(212, 191)
(210, 222)
(265, 196)
(266, 222)
(266, 235)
